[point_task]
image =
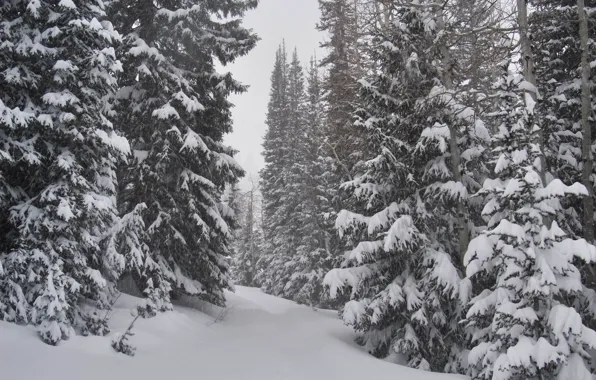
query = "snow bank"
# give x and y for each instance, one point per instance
(260, 337)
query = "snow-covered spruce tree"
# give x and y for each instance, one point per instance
(315, 232)
(58, 66)
(339, 21)
(522, 267)
(173, 107)
(342, 144)
(275, 176)
(557, 55)
(10, 148)
(290, 211)
(402, 273)
(233, 199)
(128, 243)
(249, 238)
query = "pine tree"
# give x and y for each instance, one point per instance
(287, 255)
(233, 200)
(10, 193)
(314, 229)
(249, 240)
(173, 107)
(523, 267)
(343, 144)
(58, 63)
(402, 271)
(287, 213)
(127, 248)
(339, 21)
(557, 50)
(275, 177)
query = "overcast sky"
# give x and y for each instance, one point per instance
(273, 20)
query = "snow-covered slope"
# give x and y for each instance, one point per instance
(257, 337)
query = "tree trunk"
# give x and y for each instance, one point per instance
(382, 13)
(251, 238)
(529, 76)
(586, 136)
(462, 225)
(586, 127)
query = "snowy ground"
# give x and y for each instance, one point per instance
(260, 338)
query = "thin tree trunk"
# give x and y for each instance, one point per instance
(382, 13)
(253, 254)
(586, 135)
(462, 225)
(585, 123)
(529, 76)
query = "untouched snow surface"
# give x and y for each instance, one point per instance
(258, 337)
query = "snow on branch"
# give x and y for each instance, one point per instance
(480, 250)
(165, 112)
(403, 234)
(364, 251)
(450, 189)
(346, 219)
(179, 13)
(339, 278)
(382, 219)
(556, 188)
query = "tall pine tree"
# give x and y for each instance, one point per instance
(314, 228)
(275, 176)
(402, 273)
(173, 107)
(523, 321)
(58, 67)
(249, 240)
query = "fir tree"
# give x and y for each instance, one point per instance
(249, 240)
(523, 267)
(288, 212)
(127, 248)
(339, 21)
(173, 107)
(58, 63)
(275, 176)
(402, 272)
(554, 29)
(343, 145)
(316, 236)
(296, 199)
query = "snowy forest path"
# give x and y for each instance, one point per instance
(257, 337)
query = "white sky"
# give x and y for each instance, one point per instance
(272, 20)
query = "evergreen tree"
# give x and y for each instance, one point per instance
(173, 107)
(402, 272)
(287, 254)
(339, 21)
(554, 28)
(59, 150)
(249, 239)
(342, 146)
(287, 213)
(297, 201)
(275, 177)
(314, 228)
(523, 324)
(127, 245)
